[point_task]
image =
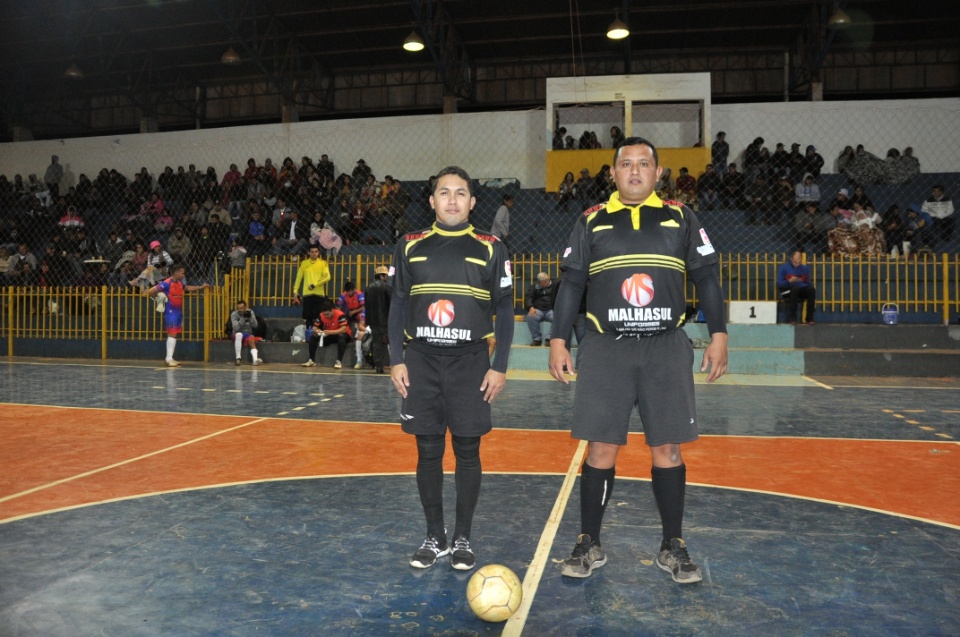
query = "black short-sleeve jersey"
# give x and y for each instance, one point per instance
(636, 257)
(453, 280)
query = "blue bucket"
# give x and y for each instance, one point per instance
(890, 313)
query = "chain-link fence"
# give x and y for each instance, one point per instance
(211, 200)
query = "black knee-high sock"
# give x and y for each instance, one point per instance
(468, 477)
(596, 485)
(430, 481)
(669, 488)
(312, 347)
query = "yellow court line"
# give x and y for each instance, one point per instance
(531, 580)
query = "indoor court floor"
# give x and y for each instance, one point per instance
(221, 500)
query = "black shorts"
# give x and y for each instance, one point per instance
(653, 374)
(311, 304)
(444, 390)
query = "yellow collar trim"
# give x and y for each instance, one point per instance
(615, 204)
(452, 233)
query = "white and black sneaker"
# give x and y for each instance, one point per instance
(432, 548)
(674, 559)
(462, 557)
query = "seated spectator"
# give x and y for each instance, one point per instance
(219, 232)
(4, 263)
(244, 323)
(842, 200)
(686, 187)
(331, 326)
(759, 199)
(813, 162)
(616, 137)
(351, 303)
(708, 189)
(807, 191)
(845, 157)
(122, 274)
(918, 230)
(859, 196)
(809, 226)
(940, 209)
(733, 186)
(23, 255)
(794, 284)
(894, 230)
(156, 269)
(566, 191)
(257, 239)
(23, 275)
(539, 306)
(237, 255)
(866, 225)
(585, 187)
(842, 239)
(780, 161)
(784, 197)
(665, 186)
(71, 219)
(179, 246)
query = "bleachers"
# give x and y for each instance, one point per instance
(540, 224)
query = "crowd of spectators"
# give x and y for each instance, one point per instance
(782, 189)
(112, 230)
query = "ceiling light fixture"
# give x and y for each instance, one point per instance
(618, 29)
(74, 72)
(414, 42)
(838, 19)
(230, 57)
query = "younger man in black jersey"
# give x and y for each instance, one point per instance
(635, 249)
(448, 280)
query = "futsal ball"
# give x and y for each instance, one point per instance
(638, 290)
(494, 593)
(441, 313)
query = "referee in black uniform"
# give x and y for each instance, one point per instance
(448, 281)
(635, 250)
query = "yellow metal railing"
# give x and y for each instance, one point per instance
(844, 285)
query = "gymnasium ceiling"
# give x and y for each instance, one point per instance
(134, 48)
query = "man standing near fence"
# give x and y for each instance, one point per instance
(377, 297)
(636, 250)
(313, 275)
(448, 281)
(173, 288)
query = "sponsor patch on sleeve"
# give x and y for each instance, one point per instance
(506, 268)
(707, 247)
(506, 281)
(566, 253)
(390, 271)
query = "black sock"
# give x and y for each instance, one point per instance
(468, 477)
(312, 347)
(669, 488)
(430, 481)
(596, 485)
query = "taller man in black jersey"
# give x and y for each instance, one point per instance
(635, 250)
(448, 281)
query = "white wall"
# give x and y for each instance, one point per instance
(485, 144)
(931, 127)
(506, 144)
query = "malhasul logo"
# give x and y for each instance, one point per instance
(441, 312)
(638, 290)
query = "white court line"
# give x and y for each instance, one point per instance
(128, 461)
(531, 581)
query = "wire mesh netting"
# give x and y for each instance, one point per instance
(785, 177)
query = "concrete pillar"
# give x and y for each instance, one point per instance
(449, 104)
(22, 134)
(289, 114)
(149, 125)
(816, 91)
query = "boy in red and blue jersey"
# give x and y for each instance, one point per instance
(173, 288)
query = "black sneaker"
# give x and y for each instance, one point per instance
(432, 548)
(536, 343)
(587, 555)
(674, 559)
(462, 557)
